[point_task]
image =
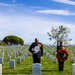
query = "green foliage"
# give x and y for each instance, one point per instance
(2, 43)
(59, 34)
(11, 39)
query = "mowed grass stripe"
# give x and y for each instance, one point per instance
(25, 68)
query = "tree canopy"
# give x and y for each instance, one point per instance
(13, 40)
(59, 34)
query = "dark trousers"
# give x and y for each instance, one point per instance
(61, 65)
(36, 59)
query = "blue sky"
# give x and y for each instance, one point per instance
(29, 19)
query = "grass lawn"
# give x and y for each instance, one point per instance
(25, 68)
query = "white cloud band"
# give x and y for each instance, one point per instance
(57, 12)
(66, 2)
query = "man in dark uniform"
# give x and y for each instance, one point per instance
(60, 63)
(36, 48)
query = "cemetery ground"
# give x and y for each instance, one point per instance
(25, 67)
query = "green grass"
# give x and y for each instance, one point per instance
(49, 68)
(20, 69)
(25, 68)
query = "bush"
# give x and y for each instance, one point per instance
(13, 40)
(2, 43)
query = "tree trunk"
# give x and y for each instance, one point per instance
(57, 45)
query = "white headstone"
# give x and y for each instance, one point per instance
(71, 54)
(19, 60)
(51, 57)
(36, 69)
(73, 69)
(1, 60)
(44, 53)
(23, 57)
(17, 54)
(8, 57)
(13, 56)
(12, 64)
(72, 59)
(0, 69)
(2, 53)
(48, 55)
(54, 60)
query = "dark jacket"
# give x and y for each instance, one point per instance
(31, 49)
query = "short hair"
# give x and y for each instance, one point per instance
(61, 42)
(36, 38)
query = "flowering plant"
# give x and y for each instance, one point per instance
(62, 54)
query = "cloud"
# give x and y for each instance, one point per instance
(26, 27)
(10, 5)
(29, 27)
(36, 7)
(70, 2)
(6, 4)
(57, 12)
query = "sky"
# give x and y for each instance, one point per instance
(30, 19)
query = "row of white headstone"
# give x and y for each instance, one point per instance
(37, 69)
(50, 49)
(72, 59)
(14, 53)
(19, 59)
(51, 57)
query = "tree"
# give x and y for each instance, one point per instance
(59, 34)
(2, 43)
(11, 39)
